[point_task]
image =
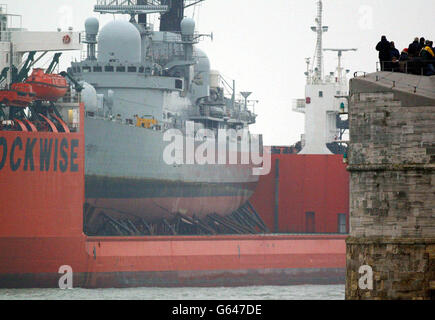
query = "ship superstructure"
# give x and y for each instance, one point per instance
(19, 52)
(309, 181)
(167, 61)
(138, 84)
(325, 99)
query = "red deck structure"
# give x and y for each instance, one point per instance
(307, 194)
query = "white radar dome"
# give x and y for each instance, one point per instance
(91, 26)
(89, 97)
(119, 41)
(187, 27)
(203, 61)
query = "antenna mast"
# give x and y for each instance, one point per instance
(319, 29)
(132, 7)
(340, 55)
(172, 11)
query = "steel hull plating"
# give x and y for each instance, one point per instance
(175, 261)
(306, 183)
(126, 174)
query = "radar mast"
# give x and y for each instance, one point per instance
(320, 29)
(341, 77)
(172, 11)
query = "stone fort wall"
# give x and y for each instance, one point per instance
(392, 197)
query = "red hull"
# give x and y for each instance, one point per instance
(316, 185)
(174, 261)
(41, 229)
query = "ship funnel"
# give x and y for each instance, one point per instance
(170, 20)
(91, 26)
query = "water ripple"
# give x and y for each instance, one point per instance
(306, 292)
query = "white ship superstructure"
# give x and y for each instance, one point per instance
(16, 42)
(325, 98)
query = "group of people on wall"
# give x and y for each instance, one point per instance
(417, 58)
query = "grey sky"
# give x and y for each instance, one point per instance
(262, 44)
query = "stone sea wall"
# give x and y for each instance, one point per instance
(392, 197)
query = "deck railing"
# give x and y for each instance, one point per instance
(415, 66)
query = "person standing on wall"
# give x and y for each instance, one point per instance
(414, 48)
(384, 48)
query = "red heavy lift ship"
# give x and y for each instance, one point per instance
(42, 227)
(42, 196)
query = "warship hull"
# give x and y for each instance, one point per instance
(126, 174)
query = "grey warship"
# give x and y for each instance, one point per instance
(138, 83)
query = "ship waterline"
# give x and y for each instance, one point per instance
(154, 209)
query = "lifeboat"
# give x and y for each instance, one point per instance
(20, 95)
(48, 87)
